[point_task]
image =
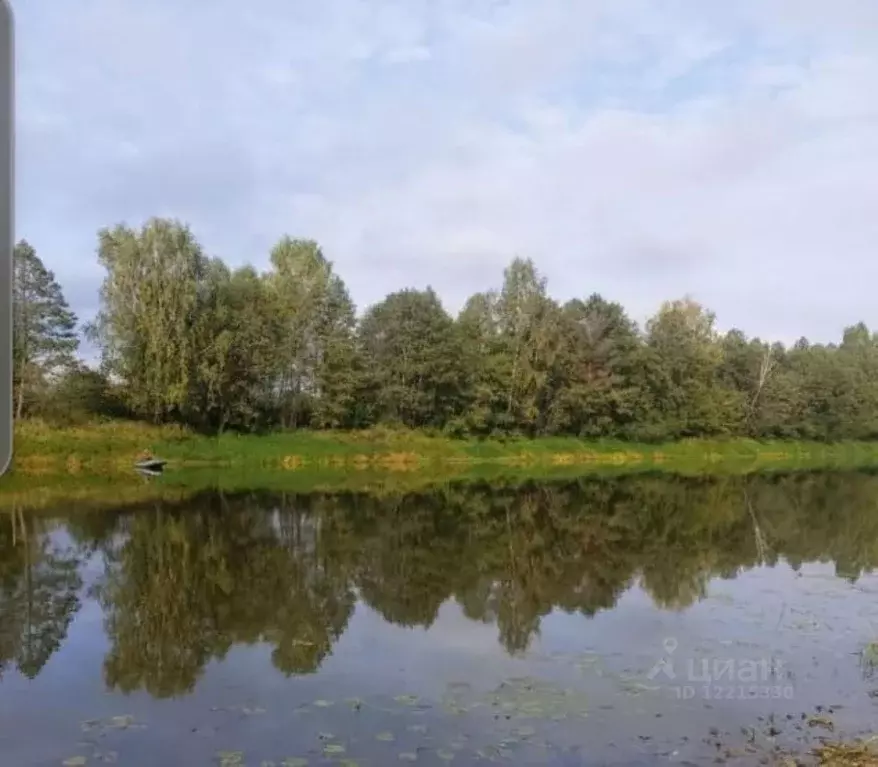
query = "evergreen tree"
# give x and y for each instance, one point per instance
(43, 327)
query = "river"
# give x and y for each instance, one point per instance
(627, 620)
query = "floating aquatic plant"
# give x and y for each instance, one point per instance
(230, 758)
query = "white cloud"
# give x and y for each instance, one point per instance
(640, 149)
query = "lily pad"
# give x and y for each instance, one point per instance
(294, 761)
(230, 758)
(633, 687)
(409, 700)
(75, 761)
(334, 748)
(408, 756)
(530, 698)
(444, 755)
(323, 703)
(385, 736)
(417, 728)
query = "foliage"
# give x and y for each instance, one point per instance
(185, 581)
(43, 330)
(185, 339)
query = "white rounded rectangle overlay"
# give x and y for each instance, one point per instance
(7, 235)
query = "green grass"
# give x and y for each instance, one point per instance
(108, 448)
(91, 465)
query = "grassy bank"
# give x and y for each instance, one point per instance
(111, 448)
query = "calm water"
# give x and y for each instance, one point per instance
(620, 621)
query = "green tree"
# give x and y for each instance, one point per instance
(595, 374)
(237, 335)
(529, 331)
(484, 374)
(43, 328)
(681, 365)
(151, 298)
(411, 351)
(316, 349)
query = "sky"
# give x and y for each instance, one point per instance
(641, 149)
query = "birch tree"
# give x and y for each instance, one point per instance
(150, 300)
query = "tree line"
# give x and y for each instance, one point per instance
(183, 583)
(185, 338)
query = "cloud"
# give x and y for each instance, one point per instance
(643, 150)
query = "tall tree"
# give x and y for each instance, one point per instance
(43, 327)
(596, 392)
(299, 281)
(483, 366)
(338, 365)
(150, 301)
(682, 371)
(528, 324)
(412, 354)
(237, 335)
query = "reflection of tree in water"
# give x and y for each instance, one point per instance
(407, 554)
(39, 592)
(183, 587)
(184, 584)
(317, 598)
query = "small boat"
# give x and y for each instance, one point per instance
(149, 472)
(150, 464)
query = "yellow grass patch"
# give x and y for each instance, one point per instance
(399, 461)
(859, 754)
(35, 464)
(620, 458)
(768, 455)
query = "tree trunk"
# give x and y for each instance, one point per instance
(19, 408)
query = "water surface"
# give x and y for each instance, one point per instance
(640, 620)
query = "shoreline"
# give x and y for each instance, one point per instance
(112, 448)
(94, 465)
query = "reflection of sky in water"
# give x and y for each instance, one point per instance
(813, 621)
(193, 581)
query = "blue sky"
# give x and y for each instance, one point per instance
(644, 149)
